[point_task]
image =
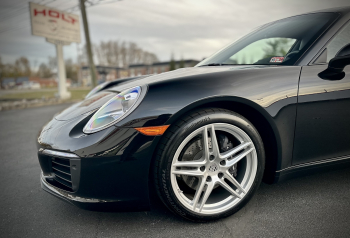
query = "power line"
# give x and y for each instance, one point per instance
(63, 3)
(25, 8)
(18, 27)
(96, 3)
(15, 29)
(71, 9)
(11, 14)
(76, 7)
(16, 5)
(14, 14)
(112, 1)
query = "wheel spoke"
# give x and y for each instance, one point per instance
(198, 193)
(230, 178)
(229, 189)
(236, 159)
(214, 141)
(207, 169)
(209, 189)
(205, 143)
(187, 172)
(233, 151)
(192, 163)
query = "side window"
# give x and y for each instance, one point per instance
(340, 40)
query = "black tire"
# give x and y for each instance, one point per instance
(171, 140)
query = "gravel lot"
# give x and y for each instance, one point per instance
(312, 206)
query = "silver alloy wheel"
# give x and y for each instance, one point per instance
(212, 170)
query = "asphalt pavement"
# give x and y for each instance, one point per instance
(312, 206)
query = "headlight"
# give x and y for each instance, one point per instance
(113, 110)
(96, 89)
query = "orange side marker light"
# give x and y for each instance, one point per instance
(153, 130)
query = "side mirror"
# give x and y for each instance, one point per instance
(337, 65)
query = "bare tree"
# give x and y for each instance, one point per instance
(122, 54)
(21, 67)
(82, 57)
(44, 71)
(71, 70)
(52, 63)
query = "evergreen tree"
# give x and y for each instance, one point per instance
(182, 63)
(172, 63)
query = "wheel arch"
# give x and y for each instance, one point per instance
(257, 115)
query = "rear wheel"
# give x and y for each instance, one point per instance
(209, 164)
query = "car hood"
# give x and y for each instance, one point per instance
(183, 72)
(87, 106)
(94, 102)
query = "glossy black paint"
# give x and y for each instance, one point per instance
(274, 98)
(323, 121)
(109, 84)
(112, 168)
(116, 162)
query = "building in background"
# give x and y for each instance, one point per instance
(108, 73)
(8, 83)
(104, 73)
(28, 82)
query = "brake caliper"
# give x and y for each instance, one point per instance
(225, 145)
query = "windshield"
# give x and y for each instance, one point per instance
(278, 43)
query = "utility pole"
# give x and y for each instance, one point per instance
(88, 43)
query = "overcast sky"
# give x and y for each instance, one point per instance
(191, 29)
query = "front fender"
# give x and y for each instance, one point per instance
(272, 92)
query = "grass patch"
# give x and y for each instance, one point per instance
(79, 93)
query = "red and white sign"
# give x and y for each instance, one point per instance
(54, 24)
(276, 59)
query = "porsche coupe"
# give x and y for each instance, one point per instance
(273, 105)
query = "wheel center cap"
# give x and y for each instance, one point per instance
(213, 167)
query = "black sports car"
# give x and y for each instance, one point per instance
(270, 106)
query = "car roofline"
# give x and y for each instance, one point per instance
(339, 10)
(343, 10)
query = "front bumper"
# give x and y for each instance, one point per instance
(90, 203)
(64, 195)
(111, 174)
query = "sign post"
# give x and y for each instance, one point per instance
(61, 69)
(60, 28)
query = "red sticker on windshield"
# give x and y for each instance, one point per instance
(276, 59)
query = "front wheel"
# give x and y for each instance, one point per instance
(209, 164)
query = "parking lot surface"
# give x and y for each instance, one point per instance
(312, 206)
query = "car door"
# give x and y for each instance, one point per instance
(323, 113)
